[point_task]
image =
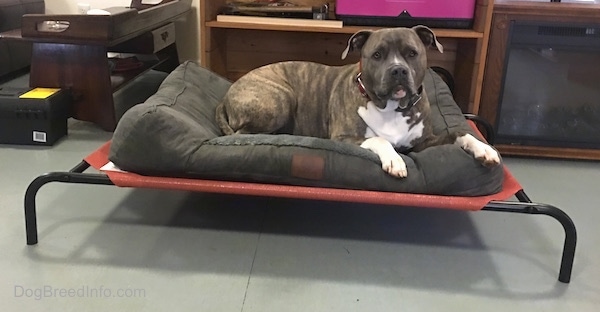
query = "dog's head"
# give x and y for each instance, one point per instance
(393, 62)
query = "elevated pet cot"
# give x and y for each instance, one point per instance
(171, 142)
(495, 202)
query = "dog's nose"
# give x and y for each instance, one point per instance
(398, 72)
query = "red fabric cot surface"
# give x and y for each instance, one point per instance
(99, 158)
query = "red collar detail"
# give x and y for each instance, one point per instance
(361, 86)
(359, 83)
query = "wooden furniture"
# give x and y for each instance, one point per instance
(504, 13)
(233, 49)
(70, 51)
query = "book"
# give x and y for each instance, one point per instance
(279, 21)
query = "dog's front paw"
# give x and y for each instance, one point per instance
(391, 162)
(487, 155)
(394, 166)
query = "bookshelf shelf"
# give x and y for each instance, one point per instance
(231, 49)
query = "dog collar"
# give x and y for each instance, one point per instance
(413, 101)
(361, 86)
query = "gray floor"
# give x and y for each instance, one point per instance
(109, 249)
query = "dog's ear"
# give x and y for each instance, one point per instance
(356, 42)
(428, 37)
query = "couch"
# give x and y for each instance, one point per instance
(15, 55)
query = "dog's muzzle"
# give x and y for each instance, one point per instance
(414, 99)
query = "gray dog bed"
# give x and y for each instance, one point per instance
(174, 133)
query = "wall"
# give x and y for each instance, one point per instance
(188, 37)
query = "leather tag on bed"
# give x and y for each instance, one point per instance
(308, 167)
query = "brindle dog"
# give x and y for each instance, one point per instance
(378, 103)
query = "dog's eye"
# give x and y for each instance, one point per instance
(412, 53)
(377, 55)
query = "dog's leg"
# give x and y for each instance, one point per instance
(481, 151)
(221, 118)
(391, 162)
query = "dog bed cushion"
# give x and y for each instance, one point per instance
(174, 133)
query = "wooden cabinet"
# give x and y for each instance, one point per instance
(70, 51)
(233, 49)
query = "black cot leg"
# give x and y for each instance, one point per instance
(73, 176)
(30, 194)
(568, 255)
(522, 197)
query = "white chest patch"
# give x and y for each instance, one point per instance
(389, 124)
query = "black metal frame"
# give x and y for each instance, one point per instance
(524, 205)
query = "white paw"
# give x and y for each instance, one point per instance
(394, 166)
(391, 162)
(481, 151)
(487, 155)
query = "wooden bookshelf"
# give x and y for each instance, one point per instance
(231, 49)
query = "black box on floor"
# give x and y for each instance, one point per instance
(33, 116)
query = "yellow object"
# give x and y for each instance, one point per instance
(39, 93)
